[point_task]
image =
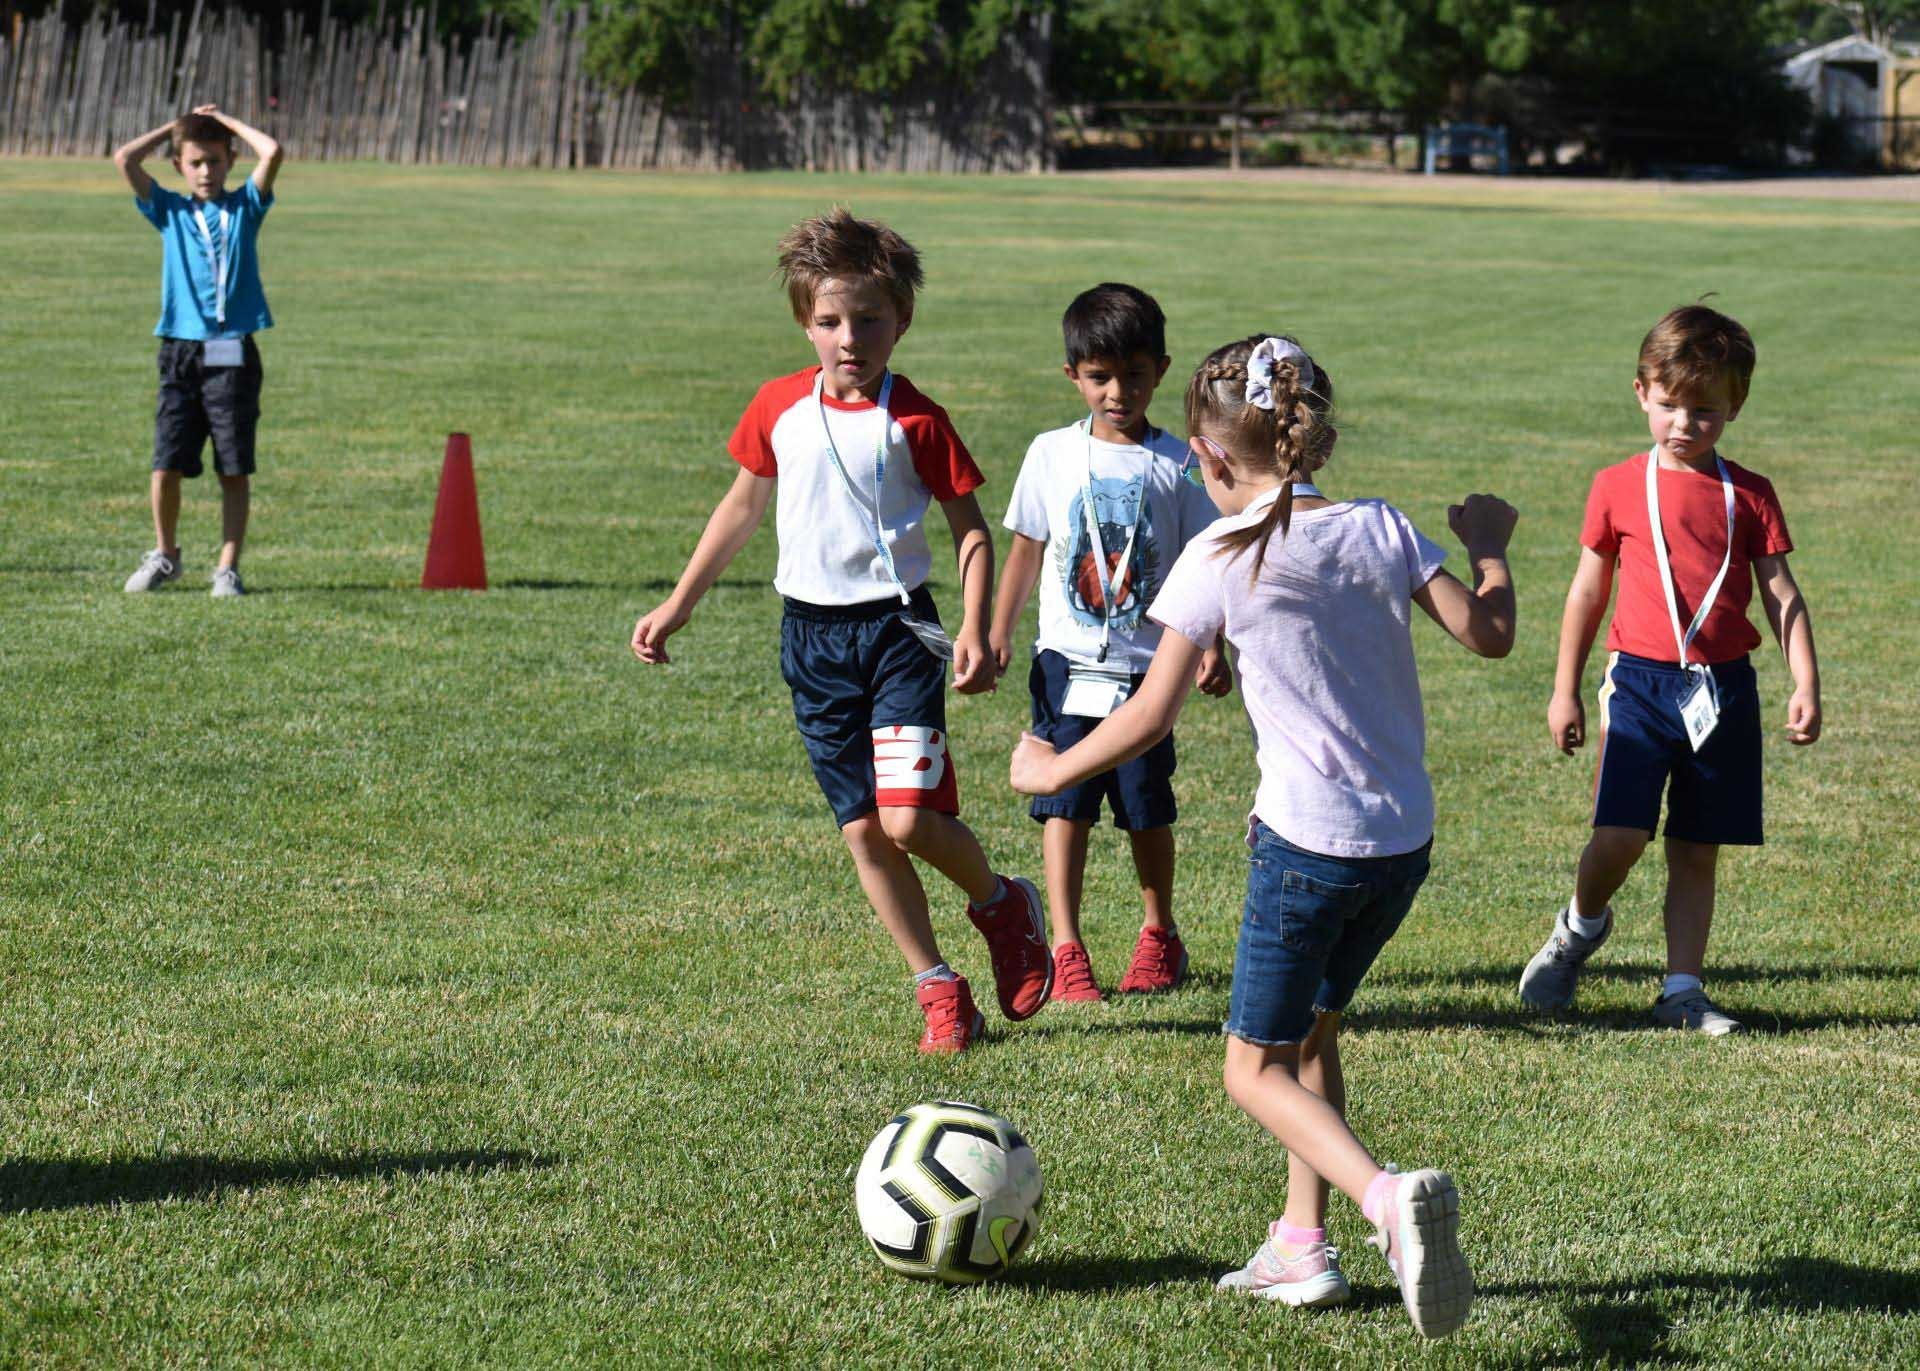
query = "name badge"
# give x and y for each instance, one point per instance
(1700, 711)
(222, 352)
(1094, 694)
(932, 637)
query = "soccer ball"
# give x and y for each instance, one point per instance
(949, 1192)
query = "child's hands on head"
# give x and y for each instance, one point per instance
(1483, 523)
(1028, 771)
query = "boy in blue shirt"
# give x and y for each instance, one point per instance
(211, 305)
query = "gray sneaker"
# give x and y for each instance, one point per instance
(1311, 1278)
(1549, 979)
(1691, 1009)
(155, 570)
(226, 583)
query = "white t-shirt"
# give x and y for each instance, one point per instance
(1326, 669)
(1048, 505)
(827, 551)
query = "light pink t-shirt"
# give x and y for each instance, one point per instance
(1326, 669)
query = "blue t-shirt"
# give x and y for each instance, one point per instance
(188, 307)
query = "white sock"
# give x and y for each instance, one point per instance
(939, 971)
(1585, 927)
(1678, 984)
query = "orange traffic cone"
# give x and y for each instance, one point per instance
(455, 559)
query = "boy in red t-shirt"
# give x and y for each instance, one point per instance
(1691, 534)
(858, 453)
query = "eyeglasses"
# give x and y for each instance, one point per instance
(1191, 467)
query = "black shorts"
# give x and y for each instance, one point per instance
(197, 402)
(1139, 792)
(871, 703)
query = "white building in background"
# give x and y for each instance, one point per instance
(1864, 84)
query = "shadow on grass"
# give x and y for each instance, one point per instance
(28, 1186)
(1066, 1022)
(1512, 1015)
(1627, 1322)
(1115, 1273)
(1508, 973)
(1517, 1018)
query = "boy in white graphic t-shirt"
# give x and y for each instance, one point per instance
(858, 454)
(1098, 514)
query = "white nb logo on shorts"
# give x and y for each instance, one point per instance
(909, 758)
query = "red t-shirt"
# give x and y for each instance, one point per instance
(1693, 518)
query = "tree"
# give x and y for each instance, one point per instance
(1877, 21)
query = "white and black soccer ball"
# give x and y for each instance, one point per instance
(948, 1191)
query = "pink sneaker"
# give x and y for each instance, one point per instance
(1419, 1235)
(1073, 981)
(1309, 1277)
(1159, 963)
(952, 1021)
(1017, 939)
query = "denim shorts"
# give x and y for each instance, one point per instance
(1311, 928)
(1139, 792)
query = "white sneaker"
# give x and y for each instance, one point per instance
(155, 570)
(226, 583)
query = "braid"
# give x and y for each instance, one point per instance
(1292, 440)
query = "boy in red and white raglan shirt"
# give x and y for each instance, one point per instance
(1692, 534)
(858, 453)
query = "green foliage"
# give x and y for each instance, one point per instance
(876, 47)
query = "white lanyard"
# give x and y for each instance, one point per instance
(216, 260)
(879, 472)
(1100, 548)
(1685, 640)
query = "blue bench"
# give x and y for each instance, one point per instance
(1466, 140)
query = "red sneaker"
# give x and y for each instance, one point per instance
(1016, 937)
(1159, 963)
(1073, 981)
(952, 1021)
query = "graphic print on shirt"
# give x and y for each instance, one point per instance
(1114, 503)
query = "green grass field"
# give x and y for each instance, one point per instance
(391, 978)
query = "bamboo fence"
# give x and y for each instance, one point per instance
(394, 91)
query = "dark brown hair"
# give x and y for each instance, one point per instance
(1692, 349)
(838, 247)
(203, 129)
(1292, 440)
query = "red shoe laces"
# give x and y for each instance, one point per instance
(1074, 971)
(1150, 958)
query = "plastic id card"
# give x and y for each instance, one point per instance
(932, 637)
(1094, 694)
(1700, 710)
(222, 352)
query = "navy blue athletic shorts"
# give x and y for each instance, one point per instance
(197, 402)
(1139, 792)
(1713, 795)
(871, 703)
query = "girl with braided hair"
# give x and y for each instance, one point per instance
(1315, 595)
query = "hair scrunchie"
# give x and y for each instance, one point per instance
(1260, 368)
